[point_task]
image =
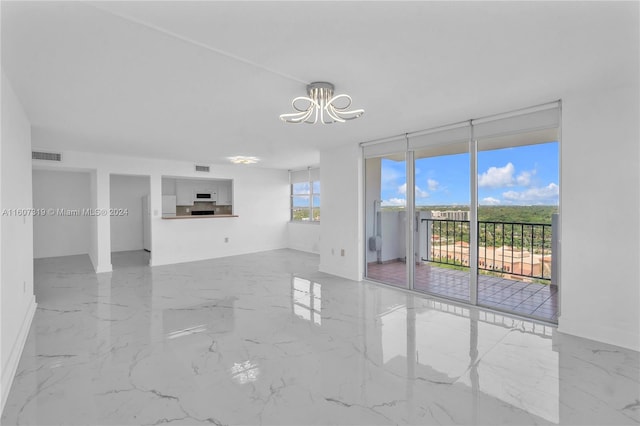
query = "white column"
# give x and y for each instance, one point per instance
(155, 201)
(103, 221)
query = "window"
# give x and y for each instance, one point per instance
(305, 195)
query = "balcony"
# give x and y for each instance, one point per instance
(515, 265)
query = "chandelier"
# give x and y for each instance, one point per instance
(241, 159)
(321, 106)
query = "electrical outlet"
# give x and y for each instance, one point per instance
(342, 252)
(226, 239)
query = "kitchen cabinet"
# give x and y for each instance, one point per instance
(206, 187)
(224, 194)
(168, 205)
(184, 192)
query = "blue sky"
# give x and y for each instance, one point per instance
(525, 175)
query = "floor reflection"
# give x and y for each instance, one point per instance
(307, 299)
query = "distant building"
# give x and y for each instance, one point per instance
(504, 259)
(450, 214)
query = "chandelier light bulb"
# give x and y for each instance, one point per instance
(321, 106)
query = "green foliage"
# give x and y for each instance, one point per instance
(302, 214)
(518, 214)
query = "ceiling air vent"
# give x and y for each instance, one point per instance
(202, 168)
(48, 156)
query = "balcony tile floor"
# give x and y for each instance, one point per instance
(529, 299)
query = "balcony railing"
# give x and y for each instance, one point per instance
(516, 249)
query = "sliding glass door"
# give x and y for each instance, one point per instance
(475, 204)
(442, 204)
(386, 217)
(518, 198)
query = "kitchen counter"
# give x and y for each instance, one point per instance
(205, 216)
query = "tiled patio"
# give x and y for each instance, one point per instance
(529, 299)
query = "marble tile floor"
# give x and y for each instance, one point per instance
(267, 339)
(128, 259)
(522, 298)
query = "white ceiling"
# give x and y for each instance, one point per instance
(201, 81)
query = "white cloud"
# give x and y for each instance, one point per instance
(391, 202)
(432, 184)
(497, 177)
(489, 201)
(548, 194)
(524, 178)
(402, 189)
(390, 177)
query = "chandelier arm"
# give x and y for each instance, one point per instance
(328, 119)
(351, 114)
(345, 96)
(315, 110)
(331, 112)
(305, 117)
(296, 117)
(297, 100)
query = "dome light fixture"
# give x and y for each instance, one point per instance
(241, 159)
(321, 106)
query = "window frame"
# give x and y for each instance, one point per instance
(310, 196)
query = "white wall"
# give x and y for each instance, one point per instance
(58, 235)
(168, 186)
(373, 172)
(600, 205)
(304, 236)
(394, 235)
(17, 302)
(261, 201)
(127, 193)
(341, 226)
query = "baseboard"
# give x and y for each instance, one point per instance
(304, 249)
(102, 268)
(98, 267)
(9, 370)
(340, 272)
(597, 332)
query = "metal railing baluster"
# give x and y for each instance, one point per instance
(450, 236)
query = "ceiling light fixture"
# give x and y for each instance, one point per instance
(241, 159)
(321, 106)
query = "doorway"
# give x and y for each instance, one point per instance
(130, 220)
